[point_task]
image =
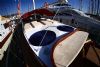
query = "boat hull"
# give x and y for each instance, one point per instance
(5, 46)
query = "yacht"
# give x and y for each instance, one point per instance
(50, 41)
(6, 33)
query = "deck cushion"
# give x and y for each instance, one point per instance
(36, 38)
(65, 28)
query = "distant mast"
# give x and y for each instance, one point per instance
(0, 17)
(33, 4)
(80, 5)
(18, 7)
(34, 8)
(63, 1)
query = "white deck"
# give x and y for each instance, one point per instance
(29, 30)
(45, 57)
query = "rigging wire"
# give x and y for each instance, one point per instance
(47, 30)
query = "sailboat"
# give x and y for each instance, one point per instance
(50, 41)
(6, 33)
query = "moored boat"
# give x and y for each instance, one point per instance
(54, 43)
(6, 33)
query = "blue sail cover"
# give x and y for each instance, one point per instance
(47, 36)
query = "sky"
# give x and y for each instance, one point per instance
(10, 6)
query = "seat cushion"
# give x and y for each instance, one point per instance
(65, 28)
(42, 38)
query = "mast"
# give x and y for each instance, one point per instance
(92, 6)
(80, 6)
(0, 17)
(15, 7)
(34, 8)
(33, 4)
(18, 7)
(95, 3)
(98, 1)
(89, 6)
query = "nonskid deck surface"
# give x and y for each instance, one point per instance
(44, 52)
(39, 25)
(50, 24)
